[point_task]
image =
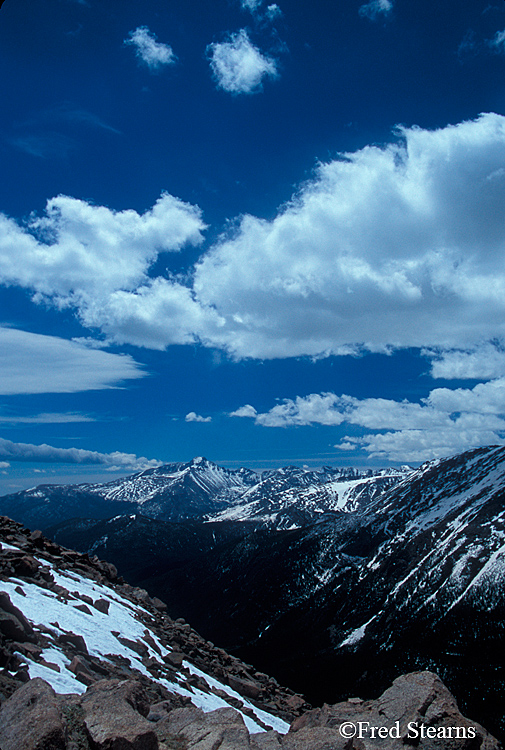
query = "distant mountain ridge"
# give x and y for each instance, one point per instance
(200, 489)
(412, 579)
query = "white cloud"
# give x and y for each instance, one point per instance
(375, 8)
(417, 446)
(251, 5)
(97, 261)
(273, 11)
(32, 363)
(386, 247)
(400, 246)
(446, 422)
(315, 408)
(48, 453)
(194, 417)
(498, 42)
(244, 411)
(238, 66)
(154, 54)
(78, 250)
(485, 362)
(4, 464)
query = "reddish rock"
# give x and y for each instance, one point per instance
(31, 719)
(414, 701)
(114, 712)
(223, 729)
(77, 641)
(175, 658)
(247, 688)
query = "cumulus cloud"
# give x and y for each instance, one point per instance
(386, 247)
(445, 422)
(239, 67)
(97, 261)
(244, 411)
(152, 53)
(376, 8)
(48, 453)
(194, 417)
(33, 363)
(485, 362)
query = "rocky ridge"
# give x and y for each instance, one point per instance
(88, 662)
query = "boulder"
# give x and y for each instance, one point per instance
(223, 729)
(114, 712)
(31, 719)
(247, 688)
(13, 623)
(416, 710)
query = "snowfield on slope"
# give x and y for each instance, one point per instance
(43, 607)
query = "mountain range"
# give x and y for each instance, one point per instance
(320, 573)
(280, 498)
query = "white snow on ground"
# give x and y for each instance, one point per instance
(63, 681)
(272, 721)
(42, 606)
(4, 545)
(357, 634)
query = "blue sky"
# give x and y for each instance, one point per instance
(266, 233)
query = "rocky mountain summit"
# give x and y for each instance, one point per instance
(88, 662)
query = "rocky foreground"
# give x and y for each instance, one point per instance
(88, 662)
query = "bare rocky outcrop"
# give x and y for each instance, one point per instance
(417, 711)
(30, 556)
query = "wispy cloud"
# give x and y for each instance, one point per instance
(239, 67)
(152, 53)
(67, 112)
(497, 43)
(45, 418)
(194, 417)
(32, 363)
(251, 5)
(447, 421)
(376, 8)
(44, 145)
(48, 453)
